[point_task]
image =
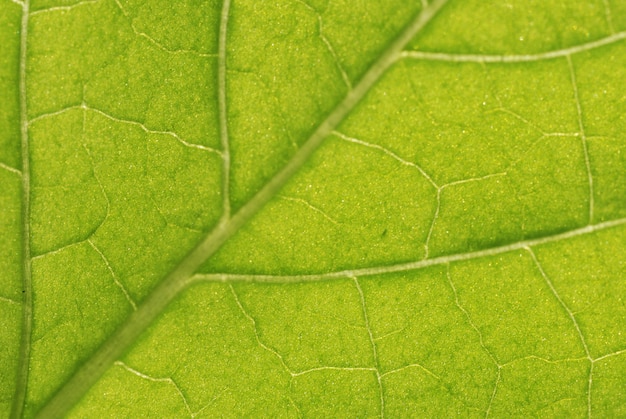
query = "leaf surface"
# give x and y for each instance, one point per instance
(313, 208)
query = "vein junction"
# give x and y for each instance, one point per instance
(438, 187)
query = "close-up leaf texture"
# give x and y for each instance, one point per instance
(312, 208)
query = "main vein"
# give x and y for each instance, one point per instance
(27, 296)
(118, 343)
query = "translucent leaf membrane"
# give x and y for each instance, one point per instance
(453, 247)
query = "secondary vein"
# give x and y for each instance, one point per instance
(410, 266)
(154, 304)
(523, 58)
(27, 296)
(223, 118)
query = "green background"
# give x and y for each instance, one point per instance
(455, 247)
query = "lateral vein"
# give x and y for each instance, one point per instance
(223, 117)
(409, 266)
(522, 58)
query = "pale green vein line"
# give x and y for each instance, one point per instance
(570, 314)
(372, 345)
(583, 137)
(481, 339)
(54, 113)
(154, 304)
(10, 301)
(223, 115)
(19, 397)
(57, 250)
(209, 403)
(148, 130)
(143, 127)
(348, 369)
(418, 366)
(616, 353)
(63, 8)
(113, 275)
(10, 169)
(333, 53)
(167, 380)
(311, 207)
(433, 222)
(608, 15)
(327, 43)
(431, 229)
(482, 58)
(256, 332)
(410, 266)
(390, 154)
(424, 174)
(473, 179)
(544, 360)
(113, 348)
(156, 43)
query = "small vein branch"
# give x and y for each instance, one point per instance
(166, 380)
(9, 301)
(329, 46)
(63, 8)
(130, 300)
(406, 367)
(372, 345)
(256, 331)
(481, 339)
(569, 312)
(571, 316)
(389, 153)
(608, 15)
(149, 130)
(311, 207)
(10, 169)
(330, 368)
(156, 43)
(609, 355)
(142, 126)
(583, 136)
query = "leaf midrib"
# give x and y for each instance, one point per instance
(171, 285)
(19, 397)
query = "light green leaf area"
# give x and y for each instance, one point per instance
(404, 208)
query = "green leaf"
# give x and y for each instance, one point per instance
(312, 208)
